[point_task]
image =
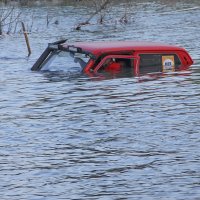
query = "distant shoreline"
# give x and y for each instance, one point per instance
(39, 2)
(82, 2)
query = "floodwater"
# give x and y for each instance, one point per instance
(72, 137)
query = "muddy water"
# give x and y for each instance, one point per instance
(69, 137)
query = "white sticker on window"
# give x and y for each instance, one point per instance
(168, 63)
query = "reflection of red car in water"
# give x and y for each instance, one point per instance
(116, 57)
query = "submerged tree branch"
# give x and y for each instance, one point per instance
(98, 10)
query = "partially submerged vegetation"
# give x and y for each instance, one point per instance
(98, 12)
(11, 14)
(102, 12)
(100, 9)
(9, 18)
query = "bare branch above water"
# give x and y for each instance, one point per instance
(98, 9)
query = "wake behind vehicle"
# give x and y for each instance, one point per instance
(114, 57)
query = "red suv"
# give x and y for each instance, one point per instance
(114, 57)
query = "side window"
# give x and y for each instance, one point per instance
(159, 63)
(124, 63)
(114, 63)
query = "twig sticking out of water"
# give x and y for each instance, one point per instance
(26, 38)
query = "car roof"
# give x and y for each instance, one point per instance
(109, 46)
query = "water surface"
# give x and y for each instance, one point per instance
(72, 137)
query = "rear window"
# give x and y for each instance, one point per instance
(65, 61)
(159, 63)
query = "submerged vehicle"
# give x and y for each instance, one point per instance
(114, 57)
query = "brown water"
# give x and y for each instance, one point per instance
(69, 137)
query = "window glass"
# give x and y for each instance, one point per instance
(123, 64)
(65, 61)
(159, 63)
(116, 66)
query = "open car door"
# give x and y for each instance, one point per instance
(73, 57)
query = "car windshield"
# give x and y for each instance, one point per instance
(65, 61)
